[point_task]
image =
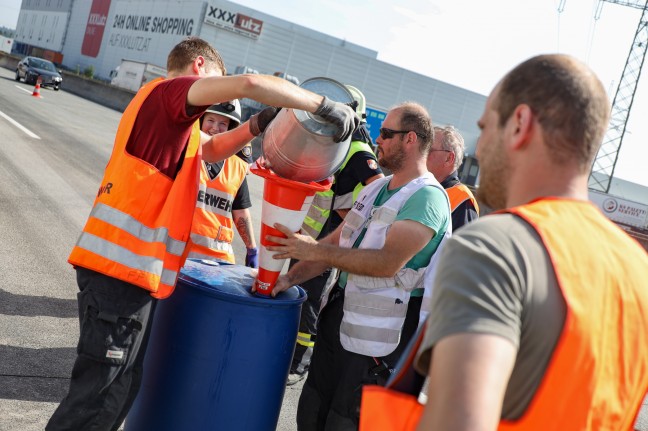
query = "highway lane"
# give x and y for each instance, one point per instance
(53, 151)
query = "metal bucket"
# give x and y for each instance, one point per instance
(299, 146)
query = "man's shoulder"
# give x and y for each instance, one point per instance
(429, 193)
(498, 231)
(361, 166)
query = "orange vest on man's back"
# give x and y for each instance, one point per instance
(139, 225)
(598, 373)
(458, 194)
(211, 230)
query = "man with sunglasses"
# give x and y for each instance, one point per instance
(382, 249)
(445, 157)
(327, 211)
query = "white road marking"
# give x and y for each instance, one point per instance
(18, 125)
(23, 89)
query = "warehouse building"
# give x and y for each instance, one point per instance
(97, 35)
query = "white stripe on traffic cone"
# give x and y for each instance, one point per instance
(286, 202)
(36, 92)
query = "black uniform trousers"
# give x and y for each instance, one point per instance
(330, 398)
(115, 325)
(308, 321)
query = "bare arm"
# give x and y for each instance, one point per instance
(243, 222)
(270, 90)
(404, 239)
(372, 179)
(468, 374)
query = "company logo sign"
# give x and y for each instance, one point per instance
(95, 27)
(233, 21)
(610, 205)
(621, 210)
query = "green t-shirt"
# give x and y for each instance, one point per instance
(427, 206)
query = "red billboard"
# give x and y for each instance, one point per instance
(97, 19)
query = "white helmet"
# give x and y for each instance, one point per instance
(230, 109)
(361, 110)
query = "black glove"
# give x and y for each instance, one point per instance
(259, 122)
(339, 114)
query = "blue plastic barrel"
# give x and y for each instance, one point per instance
(218, 356)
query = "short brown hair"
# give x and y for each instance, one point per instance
(416, 118)
(185, 52)
(568, 100)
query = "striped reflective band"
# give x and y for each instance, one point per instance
(129, 224)
(212, 243)
(343, 201)
(382, 335)
(126, 257)
(323, 199)
(373, 305)
(305, 339)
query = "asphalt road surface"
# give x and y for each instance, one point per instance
(53, 151)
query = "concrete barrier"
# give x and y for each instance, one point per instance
(9, 61)
(97, 91)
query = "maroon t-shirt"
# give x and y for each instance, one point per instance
(163, 125)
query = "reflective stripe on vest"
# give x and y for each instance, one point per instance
(458, 194)
(212, 229)
(320, 210)
(140, 221)
(375, 307)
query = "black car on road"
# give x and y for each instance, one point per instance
(30, 68)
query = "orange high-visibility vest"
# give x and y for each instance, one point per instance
(598, 373)
(211, 231)
(458, 194)
(140, 221)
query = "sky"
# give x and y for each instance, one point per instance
(473, 43)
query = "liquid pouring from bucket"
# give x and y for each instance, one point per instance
(299, 156)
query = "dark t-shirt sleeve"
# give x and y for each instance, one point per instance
(242, 198)
(163, 126)
(360, 167)
(463, 214)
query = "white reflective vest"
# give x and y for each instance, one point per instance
(375, 307)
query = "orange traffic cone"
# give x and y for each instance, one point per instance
(286, 202)
(36, 92)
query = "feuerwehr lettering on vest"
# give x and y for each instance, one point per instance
(215, 201)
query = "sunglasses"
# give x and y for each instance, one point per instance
(227, 106)
(386, 133)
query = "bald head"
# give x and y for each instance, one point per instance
(568, 100)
